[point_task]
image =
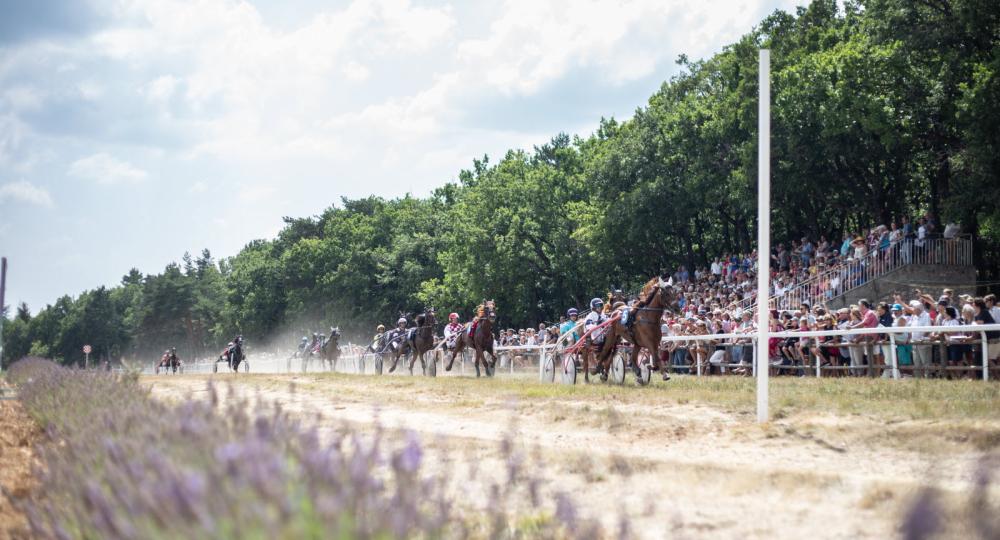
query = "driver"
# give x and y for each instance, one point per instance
(594, 319)
(398, 333)
(379, 332)
(452, 331)
(570, 326)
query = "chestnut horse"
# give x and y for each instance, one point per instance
(644, 331)
(481, 341)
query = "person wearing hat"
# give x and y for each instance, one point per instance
(920, 347)
(452, 330)
(859, 248)
(570, 326)
(904, 350)
(397, 334)
(592, 323)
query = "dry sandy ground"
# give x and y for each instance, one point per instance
(18, 435)
(678, 470)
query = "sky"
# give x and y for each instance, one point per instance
(133, 131)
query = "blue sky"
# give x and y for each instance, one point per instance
(133, 131)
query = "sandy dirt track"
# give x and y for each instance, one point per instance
(679, 470)
(18, 436)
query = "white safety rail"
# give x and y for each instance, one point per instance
(514, 360)
(978, 330)
(510, 359)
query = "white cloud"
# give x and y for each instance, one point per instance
(356, 72)
(198, 187)
(105, 169)
(27, 192)
(161, 89)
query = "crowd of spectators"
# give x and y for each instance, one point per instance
(817, 270)
(805, 273)
(918, 353)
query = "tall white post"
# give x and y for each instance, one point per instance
(763, 229)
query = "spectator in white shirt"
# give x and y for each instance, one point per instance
(921, 349)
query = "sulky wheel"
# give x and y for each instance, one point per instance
(549, 369)
(644, 374)
(569, 371)
(618, 369)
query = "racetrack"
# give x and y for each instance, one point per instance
(683, 458)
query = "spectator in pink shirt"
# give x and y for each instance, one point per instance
(863, 346)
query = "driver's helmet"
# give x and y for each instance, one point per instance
(402, 320)
(453, 316)
(173, 349)
(230, 344)
(304, 339)
(380, 328)
(596, 304)
(571, 312)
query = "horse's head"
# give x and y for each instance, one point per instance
(490, 308)
(429, 318)
(667, 292)
(334, 332)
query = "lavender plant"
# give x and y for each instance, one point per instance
(120, 464)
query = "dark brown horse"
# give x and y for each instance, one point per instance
(481, 341)
(644, 328)
(331, 348)
(423, 339)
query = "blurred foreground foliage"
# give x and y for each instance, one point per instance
(119, 464)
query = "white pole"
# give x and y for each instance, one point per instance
(986, 356)
(893, 357)
(763, 229)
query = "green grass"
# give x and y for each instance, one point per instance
(896, 400)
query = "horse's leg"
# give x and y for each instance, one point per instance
(653, 345)
(586, 362)
(493, 364)
(479, 357)
(395, 359)
(413, 359)
(454, 353)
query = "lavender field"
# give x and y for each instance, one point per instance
(120, 464)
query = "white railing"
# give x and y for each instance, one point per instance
(976, 329)
(352, 363)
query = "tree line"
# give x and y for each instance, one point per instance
(880, 109)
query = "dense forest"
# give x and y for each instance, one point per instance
(881, 109)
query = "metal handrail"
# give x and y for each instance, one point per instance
(853, 273)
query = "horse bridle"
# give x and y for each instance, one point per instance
(661, 287)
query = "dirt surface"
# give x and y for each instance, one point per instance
(18, 436)
(685, 470)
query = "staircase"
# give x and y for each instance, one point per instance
(836, 286)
